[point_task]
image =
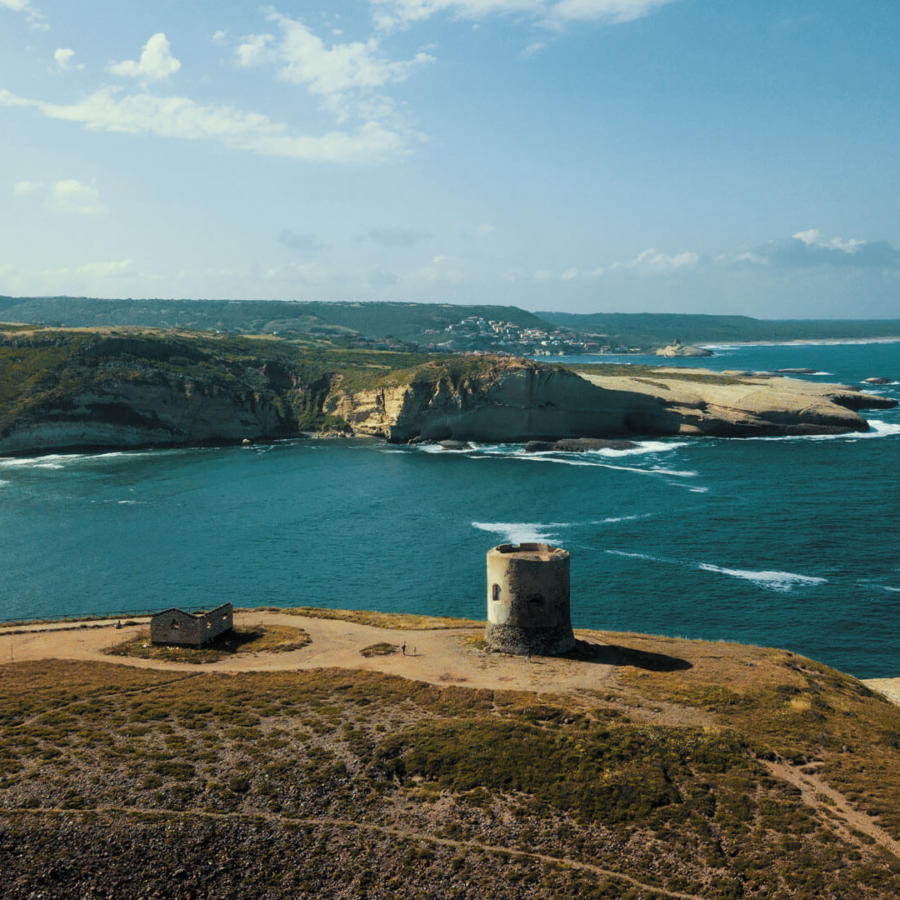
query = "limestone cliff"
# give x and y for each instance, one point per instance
(69, 390)
(517, 400)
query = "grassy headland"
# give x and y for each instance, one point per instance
(740, 772)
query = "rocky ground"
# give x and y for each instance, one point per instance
(647, 767)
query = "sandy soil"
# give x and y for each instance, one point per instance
(438, 656)
(887, 687)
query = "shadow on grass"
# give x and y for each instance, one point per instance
(614, 655)
(228, 642)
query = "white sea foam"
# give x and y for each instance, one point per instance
(783, 582)
(523, 532)
(633, 555)
(612, 520)
(3, 483)
(884, 587)
(698, 490)
(877, 428)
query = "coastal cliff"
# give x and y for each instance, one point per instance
(515, 400)
(70, 389)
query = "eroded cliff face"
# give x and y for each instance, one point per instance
(520, 401)
(59, 391)
(130, 392)
(140, 413)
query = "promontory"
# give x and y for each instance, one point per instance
(119, 388)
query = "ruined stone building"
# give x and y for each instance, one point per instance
(175, 626)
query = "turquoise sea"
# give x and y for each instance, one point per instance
(791, 542)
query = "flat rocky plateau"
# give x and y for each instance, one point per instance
(638, 767)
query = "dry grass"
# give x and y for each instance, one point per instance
(405, 621)
(380, 649)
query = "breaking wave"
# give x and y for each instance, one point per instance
(783, 582)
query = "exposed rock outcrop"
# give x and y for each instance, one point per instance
(679, 349)
(521, 401)
(64, 390)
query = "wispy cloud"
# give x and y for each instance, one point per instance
(67, 195)
(338, 75)
(155, 64)
(63, 57)
(109, 110)
(811, 247)
(393, 13)
(35, 17)
(651, 260)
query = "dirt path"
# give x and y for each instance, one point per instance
(437, 656)
(833, 807)
(389, 830)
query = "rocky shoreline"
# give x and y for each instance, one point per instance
(62, 391)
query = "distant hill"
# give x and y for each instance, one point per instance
(404, 321)
(437, 326)
(656, 329)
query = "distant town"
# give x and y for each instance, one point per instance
(479, 334)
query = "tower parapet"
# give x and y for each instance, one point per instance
(528, 600)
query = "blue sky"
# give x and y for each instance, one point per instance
(715, 156)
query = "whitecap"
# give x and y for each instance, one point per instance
(698, 490)
(612, 520)
(628, 555)
(783, 582)
(4, 483)
(877, 428)
(523, 532)
(641, 448)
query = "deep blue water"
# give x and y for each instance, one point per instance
(787, 542)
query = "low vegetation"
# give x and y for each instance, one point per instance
(404, 621)
(380, 649)
(255, 639)
(351, 783)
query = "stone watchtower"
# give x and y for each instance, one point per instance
(528, 600)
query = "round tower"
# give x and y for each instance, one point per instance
(528, 600)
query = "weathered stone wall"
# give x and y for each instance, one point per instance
(528, 600)
(174, 626)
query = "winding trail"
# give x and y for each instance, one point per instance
(388, 830)
(832, 806)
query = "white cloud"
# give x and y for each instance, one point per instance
(219, 37)
(569, 274)
(255, 50)
(393, 13)
(652, 260)
(543, 275)
(813, 238)
(116, 269)
(72, 196)
(485, 228)
(181, 117)
(329, 73)
(24, 188)
(155, 64)
(63, 59)
(68, 195)
(35, 16)
(535, 48)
